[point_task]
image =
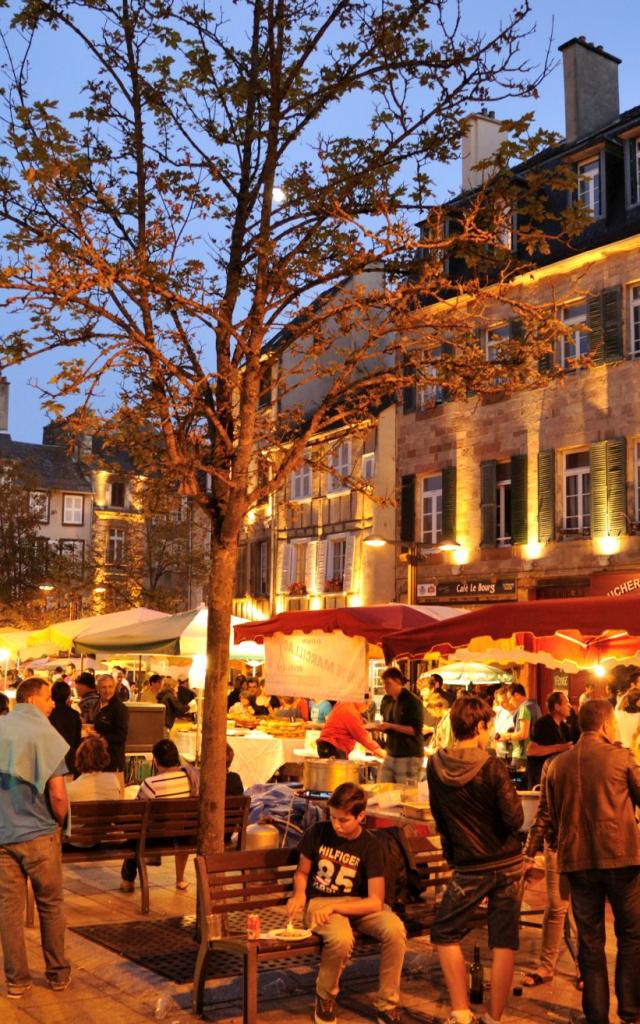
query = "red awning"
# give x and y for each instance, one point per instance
(590, 616)
(373, 622)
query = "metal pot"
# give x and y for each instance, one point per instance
(323, 775)
(261, 836)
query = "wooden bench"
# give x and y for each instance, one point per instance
(114, 829)
(232, 885)
(171, 826)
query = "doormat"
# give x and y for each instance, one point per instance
(168, 947)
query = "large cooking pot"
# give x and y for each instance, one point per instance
(323, 775)
(261, 836)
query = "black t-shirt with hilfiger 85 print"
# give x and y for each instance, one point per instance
(340, 867)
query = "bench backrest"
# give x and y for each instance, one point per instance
(246, 880)
(173, 819)
(104, 821)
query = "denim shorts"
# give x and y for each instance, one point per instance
(466, 890)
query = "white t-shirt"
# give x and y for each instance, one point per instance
(95, 786)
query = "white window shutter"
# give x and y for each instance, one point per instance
(310, 566)
(321, 565)
(347, 584)
(284, 567)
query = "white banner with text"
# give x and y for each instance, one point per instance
(316, 665)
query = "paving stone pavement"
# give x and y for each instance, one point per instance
(108, 989)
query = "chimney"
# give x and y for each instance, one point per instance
(482, 138)
(591, 99)
(4, 405)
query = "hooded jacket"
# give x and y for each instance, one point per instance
(476, 808)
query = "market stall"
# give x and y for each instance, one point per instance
(63, 636)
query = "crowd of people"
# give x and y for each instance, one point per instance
(585, 827)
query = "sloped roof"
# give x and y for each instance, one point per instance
(52, 467)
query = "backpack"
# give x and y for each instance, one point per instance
(403, 883)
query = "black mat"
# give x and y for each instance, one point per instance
(168, 947)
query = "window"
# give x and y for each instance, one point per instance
(632, 170)
(301, 482)
(368, 467)
(494, 339)
(336, 560)
(634, 320)
(115, 546)
(39, 505)
(432, 510)
(73, 510)
(577, 493)
(575, 344)
(340, 462)
(503, 504)
(429, 395)
(73, 553)
(589, 185)
(298, 568)
(118, 494)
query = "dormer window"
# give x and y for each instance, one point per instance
(589, 185)
(632, 170)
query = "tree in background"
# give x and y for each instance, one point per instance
(226, 229)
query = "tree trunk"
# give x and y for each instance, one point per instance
(214, 724)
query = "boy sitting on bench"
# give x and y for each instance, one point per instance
(341, 875)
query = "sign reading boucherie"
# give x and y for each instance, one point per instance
(473, 588)
(318, 665)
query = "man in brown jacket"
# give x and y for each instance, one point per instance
(592, 791)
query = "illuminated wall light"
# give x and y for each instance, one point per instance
(533, 550)
(606, 545)
(599, 671)
(461, 555)
(315, 602)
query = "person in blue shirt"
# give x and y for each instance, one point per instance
(33, 807)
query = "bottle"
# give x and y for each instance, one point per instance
(476, 978)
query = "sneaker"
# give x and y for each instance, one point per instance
(392, 1016)
(59, 986)
(325, 1012)
(127, 886)
(18, 991)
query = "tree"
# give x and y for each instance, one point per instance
(146, 239)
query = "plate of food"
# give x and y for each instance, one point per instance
(289, 934)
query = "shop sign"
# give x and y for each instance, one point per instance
(469, 589)
(615, 584)
(318, 665)
(561, 681)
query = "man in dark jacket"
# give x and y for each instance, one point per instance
(403, 716)
(592, 791)
(478, 813)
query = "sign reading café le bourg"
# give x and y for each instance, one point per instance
(471, 589)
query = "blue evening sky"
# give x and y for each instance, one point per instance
(614, 25)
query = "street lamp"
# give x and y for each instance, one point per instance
(415, 553)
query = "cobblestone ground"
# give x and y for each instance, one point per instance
(108, 989)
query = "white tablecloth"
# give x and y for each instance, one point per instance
(256, 756)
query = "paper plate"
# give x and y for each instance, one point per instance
(297, 935)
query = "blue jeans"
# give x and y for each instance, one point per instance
(589, 892)
(466, 890)
(38, 859)
(400, 769)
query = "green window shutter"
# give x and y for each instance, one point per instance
(604, 320)
(612, 324)
(516, 329)
(616, 486)
(519, 504)
(546, 496)
(449, 503)
(594, 323)
(488, 504)
(598, 470)
(408, 508)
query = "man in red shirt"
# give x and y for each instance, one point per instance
(343, 729)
